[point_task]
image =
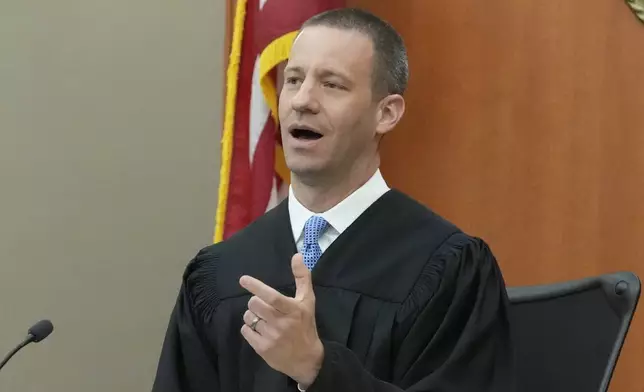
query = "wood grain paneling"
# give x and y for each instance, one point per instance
(525, 126)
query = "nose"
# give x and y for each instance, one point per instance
(305, 99)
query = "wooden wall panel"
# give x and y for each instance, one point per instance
(525, 126)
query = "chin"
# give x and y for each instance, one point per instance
(304, 168)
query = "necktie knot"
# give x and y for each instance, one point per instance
(313, 228)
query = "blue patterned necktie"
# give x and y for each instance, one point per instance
(313, 228)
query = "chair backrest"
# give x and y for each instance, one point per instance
(569, 335)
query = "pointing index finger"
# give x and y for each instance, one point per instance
(266, 293)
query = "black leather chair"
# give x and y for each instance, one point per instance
(569, 335)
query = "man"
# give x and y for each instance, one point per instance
(347, 285)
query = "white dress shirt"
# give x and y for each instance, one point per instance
(339, 217)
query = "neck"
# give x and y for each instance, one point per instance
(320, 194)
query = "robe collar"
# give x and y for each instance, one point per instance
(343, 214)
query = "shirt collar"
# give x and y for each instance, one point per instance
(343, 214)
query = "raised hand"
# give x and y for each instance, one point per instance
(282, 329)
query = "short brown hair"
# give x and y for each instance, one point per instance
(391, 66)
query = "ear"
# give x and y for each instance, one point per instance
(391, 111)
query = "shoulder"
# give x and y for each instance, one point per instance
(461, 260)
(407, 211)
(462, 252)
(212, 275)
(451, 242)
(462, 268)
(422, 248)
(452, 256)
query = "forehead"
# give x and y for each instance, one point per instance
(326, 47)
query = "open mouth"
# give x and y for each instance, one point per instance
(305, 134)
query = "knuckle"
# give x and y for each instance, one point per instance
(272, 300)
(248, 317)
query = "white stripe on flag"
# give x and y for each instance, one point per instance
(259, 112)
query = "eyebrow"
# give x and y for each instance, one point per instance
(290, 68)
(322, 73)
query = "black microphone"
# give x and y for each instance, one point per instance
(36, 333)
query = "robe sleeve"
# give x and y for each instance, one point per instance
(187, 362)
(455, 337)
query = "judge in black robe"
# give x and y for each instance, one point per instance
(405, 301)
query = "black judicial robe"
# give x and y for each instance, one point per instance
(405, 301)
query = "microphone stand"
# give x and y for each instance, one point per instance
(25, 342)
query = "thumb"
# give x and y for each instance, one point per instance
(302, 275)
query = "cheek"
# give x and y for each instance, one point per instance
(344, 117)
(283, 107)
(352, 123)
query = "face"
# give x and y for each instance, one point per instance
(330, 120)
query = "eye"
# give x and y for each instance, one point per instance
(292, 80)
(332, 85)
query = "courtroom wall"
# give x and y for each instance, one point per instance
(110, 117)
